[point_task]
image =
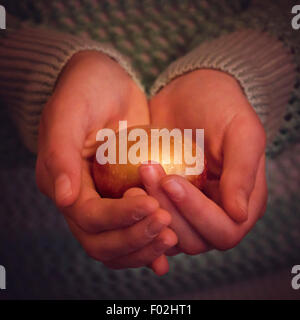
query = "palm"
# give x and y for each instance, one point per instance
(214, 101)
(106, 95)
(94, 92)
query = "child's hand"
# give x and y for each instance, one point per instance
(236, 193)
(94, 92)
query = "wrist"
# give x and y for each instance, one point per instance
(90, 57)
(88, 62)
(87, 69)
(213, 78)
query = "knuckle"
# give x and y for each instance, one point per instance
(87, 223)
(86, 217)
(147, 203)
(133, 244)
(126, 220)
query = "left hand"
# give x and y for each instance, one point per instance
(236, 192)
(94, 92)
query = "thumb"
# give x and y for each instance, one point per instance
(244, 146)
(64, 168)
(59, 162)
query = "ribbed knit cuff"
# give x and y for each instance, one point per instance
(261, 64)
(31, 60)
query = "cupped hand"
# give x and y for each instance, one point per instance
(235, 195)
(94, 92)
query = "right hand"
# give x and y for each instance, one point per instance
(94, 92)
(235, 193)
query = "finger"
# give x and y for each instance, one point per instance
(175, 250)
(133, 192)
(97, 215)
(110, 245)
(94, 214)
(148, 254)
(160, 266)
(207, 217)
(189, 240)
(244, 144)
(259, 196)
(210, 221)
(61, 139)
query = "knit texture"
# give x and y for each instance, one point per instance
(263, 67)
(31, 60)
(153, 34)
(275, 19)
(43, 260)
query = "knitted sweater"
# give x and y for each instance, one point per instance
(155, 41)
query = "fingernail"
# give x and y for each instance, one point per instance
(154, 229)
(242, 204)
(148, 174)
(63, 189)
(174, 189)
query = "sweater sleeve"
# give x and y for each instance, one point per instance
(262, 53)
(31, 59)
